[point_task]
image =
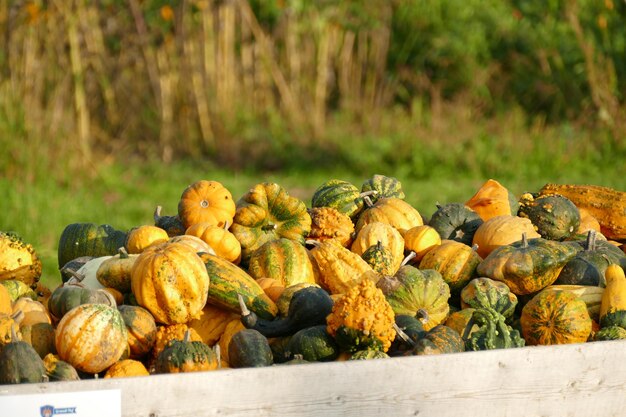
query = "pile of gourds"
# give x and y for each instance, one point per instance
(357, 274)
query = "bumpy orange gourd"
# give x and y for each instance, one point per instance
(339, 268)
(206, 201)
(362, 319)
(171, 281)
(144, 236)
(211, 323)
(330, 223)
(91, 337)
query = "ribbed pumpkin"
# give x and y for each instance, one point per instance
(455, 221)
(387, 235)
(115, 271)
(228, 281)
(383, 186)
(421, 239)
(455, 261)
(330, 223)
(144, 236)
(206, 201)
(555, 317)
(529, 265)
(267, 212)
(554, 216)
(493, 199)
(223, 242)
(171, 281)
(420, 293)
(34, 311)
(126, 368)
(141, 329)
(501, 230)
(394, 211)
(88, 239)
(340, 195)
(18, 260)
(340, 268)
(283, 259)
(91, 337)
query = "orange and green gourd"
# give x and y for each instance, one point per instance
(555, 217)
(186, 356)
(485, 292)
(89, 239)
(283, 259)
(613, 305)
(384, 187)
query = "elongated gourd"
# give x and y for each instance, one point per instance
(613, 306)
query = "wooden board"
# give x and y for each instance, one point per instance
(575, 380)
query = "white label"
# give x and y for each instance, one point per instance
(105, 403)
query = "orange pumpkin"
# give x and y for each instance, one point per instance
(126, 368)
(5, 300)
(502, 230)
(171, 281)
(393, 211)
(193, 242)
(34, 311)
(91, 337)
(211, 323)
(206, 201)
(223, 242)
(144, 236)
(421, 239)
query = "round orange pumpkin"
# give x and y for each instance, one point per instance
(144, 236)
(126, 368)
(91, 337)
(171, 281)
(206, 201)
(502, 230)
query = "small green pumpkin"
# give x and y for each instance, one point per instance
(340, 195)
(20, 363)
(554, 216)
(380, 259)
(455, 221)
(249, 349)
(314, 344)
(440, 339)
(186, 356)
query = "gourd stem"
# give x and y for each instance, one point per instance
(313, 242)
(75, 279)
(218, 355)
(475, 247)
(122, 252)
(407, 258)
(524, 240)
(591, 240)
(368, 201)
(242, 306)
(404, 336)
(368, 193)
(157, 213)
(17, 317)
(226, 225)
(187, 336)
(269, 226)
(423, 314)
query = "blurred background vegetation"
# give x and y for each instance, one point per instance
(110, 107)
